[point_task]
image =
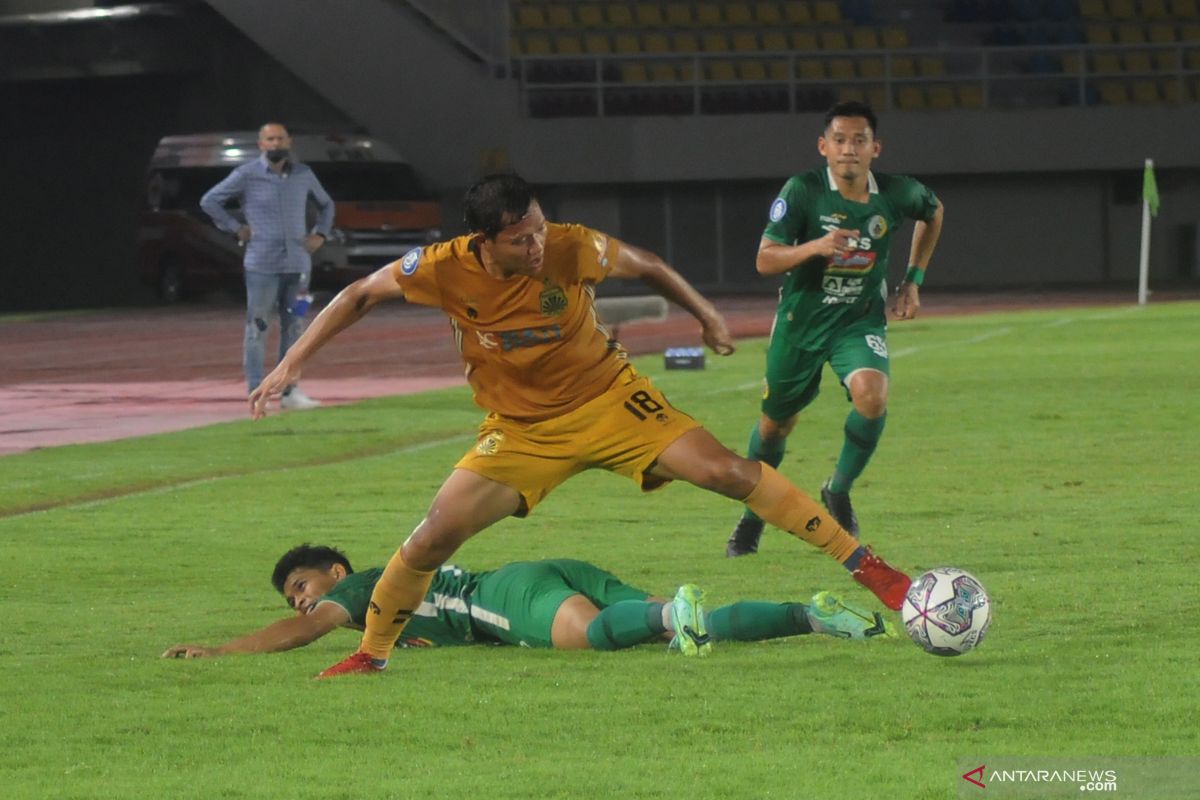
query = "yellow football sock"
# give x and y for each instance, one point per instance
(397, 595)
(780, 503)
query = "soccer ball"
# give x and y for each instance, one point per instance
(946, 611)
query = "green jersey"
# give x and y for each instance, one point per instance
(444, 618)
(821, 295)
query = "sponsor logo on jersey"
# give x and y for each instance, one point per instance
(553, 301)
(852, 262)
(489, 445)
(839, 289)
(877, 226)
(778, 209)
(486, 340)
(409, 265)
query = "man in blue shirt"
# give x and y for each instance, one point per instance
(273, 192)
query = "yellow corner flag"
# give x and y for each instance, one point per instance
(1150, 188)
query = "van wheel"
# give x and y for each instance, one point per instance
(170, 282)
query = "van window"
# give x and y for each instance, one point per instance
(370, 181)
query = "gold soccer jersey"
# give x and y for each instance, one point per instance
(533, 345)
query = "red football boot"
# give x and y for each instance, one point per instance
(889, 585)
(358, 664)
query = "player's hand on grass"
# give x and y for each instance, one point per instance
(283, 376)
(908, 301)
(190, 651)
(716, 336)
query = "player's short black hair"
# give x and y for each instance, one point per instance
(853, 108)
(310, 556)
(494, 201)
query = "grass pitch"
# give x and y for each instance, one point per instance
(1053, 454)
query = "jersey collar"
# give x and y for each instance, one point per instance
(872, 186)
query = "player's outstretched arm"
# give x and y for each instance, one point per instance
(285, 634)
(925, 239)
(350, 305)
(634, 262)
(774, 258)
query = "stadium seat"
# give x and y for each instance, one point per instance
(530, 18)
(804, 40)
(1185, 9)
(738, 15)
(842, 69)
(767, 14)
(1138, 62)
(536, 44)
(827, 12)
(904, 67)
(1154, 9)
(745, 42)
(872, 68)
(1192, 59)
(648, 15)
(1092, 9)
(723, 71)
(1114, 93)
(1173, 91)
(1099, 34)
(895, 38)
(679, 15)
(568, 44)
(560, 17)
(1122, 9)
(685, 43)
(851, 94)
(715, 43)
(1072, 63)
(941, 98)
(589, 15)
(1145, 93)
(596, 44)
(656, 43)
(752, 71)
(774, 41)
(708, 15)
(970, 96)
(932, 67)
(663, 72)
(797, 12)
(877, 96)
(810, 69)
(1131, 34)
(632, 72)
(1106, 64)
(627, 44)
(834, 40)
(779, 69)
(1189, 33)
(1166, 61)
(619, 16)
(1162, 33)
(910, 98)
(864, 39)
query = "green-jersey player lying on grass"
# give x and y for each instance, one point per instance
(557, 603)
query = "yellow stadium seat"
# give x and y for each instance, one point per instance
(797, 12)
(1184, 8)
(560, 17)
(834, 40)
(1166, 60)
(752, 71)
(1106, 63)
(596, 44)
(910, 98)
(903, 68)
(745, 42)
(715, 43)
(895, 38)
(1138, 62)
(877, 96)
(1131, 34)
(685, 43)
(679, 15)
(1092, 9)
(767, 14)
(568, 44)
(627, 44)
(632, 72)
(864, 39)
(774, 41)
(721, 71)
(970, 96)
(662, 72)
(648, 15)
(1161, 33)
(851, 94)
(531, 18)
(842, 69)
(1154, 9)
(1072, 64)
(778, 69)
(1189, 33)
(1099, 34)
(1146, 93)
(1114, 93)
(536, 44)
(687, 71)
(1121, 9)
(619, 15)
(932, 67)
(1192, 59)
(810, 69)
(514, 47)
(589, 15)
(827, 12)
(1173, 91)
(871, 68)
(656, 43)
(708, 15)
(941, 97)
(738, 15)
(804, 40)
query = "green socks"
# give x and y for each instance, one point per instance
(751, 621)
(768, 452)
(625, 624)
(862, 436)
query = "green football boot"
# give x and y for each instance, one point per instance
(830, 615)
(687, 620)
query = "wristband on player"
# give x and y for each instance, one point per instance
(915, 276)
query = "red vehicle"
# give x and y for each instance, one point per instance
(382, 210)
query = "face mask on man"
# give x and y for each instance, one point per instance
(277, 154)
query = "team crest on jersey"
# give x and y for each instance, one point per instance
(877, 226)
(409, 265)
(489, 445)
(778, 209)
(553, 301)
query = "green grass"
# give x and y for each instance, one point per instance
(1053, 454)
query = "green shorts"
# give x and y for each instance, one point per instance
(793, 377)
(516, 604)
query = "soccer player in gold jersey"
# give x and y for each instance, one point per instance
(561, 397)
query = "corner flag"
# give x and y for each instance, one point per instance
(1150, 188)
(1149, 209)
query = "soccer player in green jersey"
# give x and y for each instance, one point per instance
(829, 233)
(558, 603)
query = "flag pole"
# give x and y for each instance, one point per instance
(1144, 260)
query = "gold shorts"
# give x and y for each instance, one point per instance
(623, 430)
